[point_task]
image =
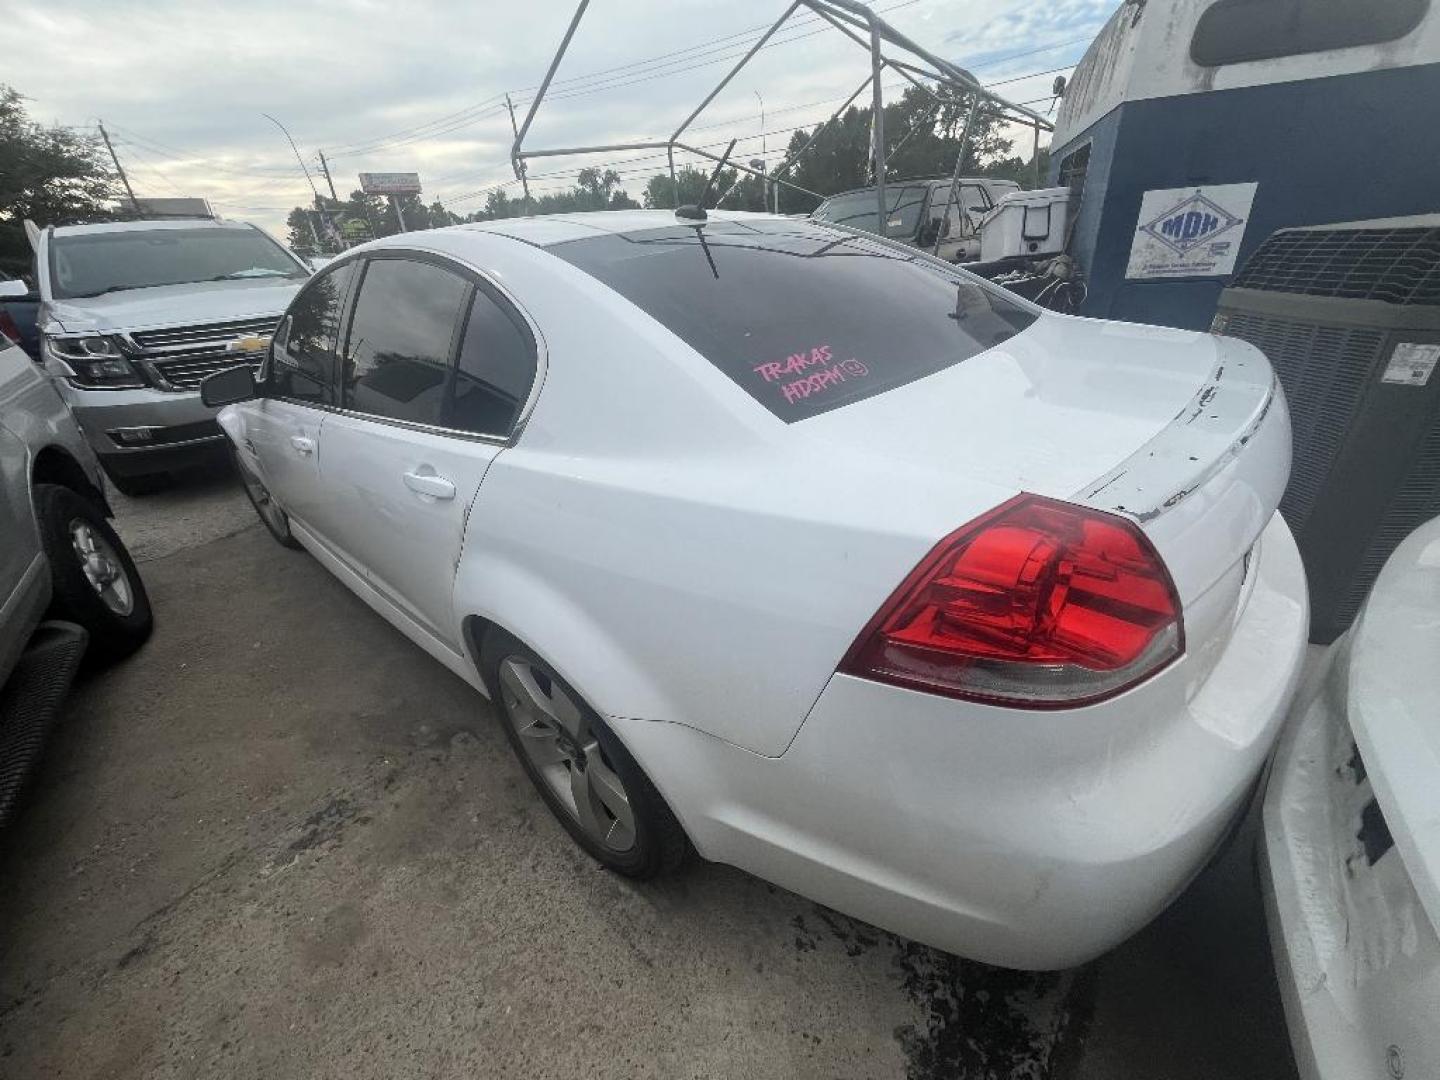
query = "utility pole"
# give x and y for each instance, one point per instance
(331, 232)
(764, 150)
(519, 165)
(134, 202)
(325, 168)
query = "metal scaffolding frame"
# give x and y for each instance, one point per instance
(858, 23)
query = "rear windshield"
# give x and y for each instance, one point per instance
(802, 317)
(857, 209)
(89, 264)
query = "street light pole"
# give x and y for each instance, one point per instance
(301, 161)
(765, 184)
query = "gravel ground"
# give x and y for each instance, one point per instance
(282, 842)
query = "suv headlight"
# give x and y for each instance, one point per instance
(92, 361)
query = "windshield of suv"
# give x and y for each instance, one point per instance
(802, 317)
(88, 264)
(856, 209)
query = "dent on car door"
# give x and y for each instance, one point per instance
(284, 427)
(437, 365)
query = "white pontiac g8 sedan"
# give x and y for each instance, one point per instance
(810, 551)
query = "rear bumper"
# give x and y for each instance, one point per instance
(1028, 839)
(178, 428)
(1357, 959)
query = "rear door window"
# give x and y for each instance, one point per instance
(402, 337)
(495, 369)
(802, 317)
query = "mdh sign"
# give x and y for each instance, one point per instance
(1190, 232)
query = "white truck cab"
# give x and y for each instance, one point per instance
(134, 314)
(922, 212)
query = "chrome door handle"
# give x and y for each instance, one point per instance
(437, 487)
(303, 444)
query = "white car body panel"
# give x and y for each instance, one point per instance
(696, 569)
(379, 524)
(283, 440)
(1032, 840)
(1355, 937)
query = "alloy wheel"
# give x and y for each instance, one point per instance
(558, 740)
(102, 567)
(264, 505)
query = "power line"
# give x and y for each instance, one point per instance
(147, 145)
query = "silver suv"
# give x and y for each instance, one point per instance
(59, 560)
(134, 314)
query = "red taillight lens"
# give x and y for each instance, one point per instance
(1040, 604)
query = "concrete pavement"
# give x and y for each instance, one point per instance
(282, 842)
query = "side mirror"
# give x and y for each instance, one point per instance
(229, 386)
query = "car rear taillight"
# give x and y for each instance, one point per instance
(8, 329)
(1037, 604)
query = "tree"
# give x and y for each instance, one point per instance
(440, 217)
(922, 138)
(593, 190)
(596, 190)
(733, 190)
(54, 176)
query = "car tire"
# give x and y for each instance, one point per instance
(137, 487)
(275, 520)
(94, 580)
(581, 770)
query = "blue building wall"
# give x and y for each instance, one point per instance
(1327, 150)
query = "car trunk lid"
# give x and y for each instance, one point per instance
(1185, 433)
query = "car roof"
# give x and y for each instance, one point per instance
(559, 228)
(145, 226)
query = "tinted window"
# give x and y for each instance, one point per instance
(88, 264)
(1234, 31)
(496, 368)
(802, 317)
(401, 339)
(303, 359)
(856, 209)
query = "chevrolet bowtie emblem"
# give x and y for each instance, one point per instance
(248, 343)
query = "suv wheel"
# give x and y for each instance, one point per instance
(94, 580)
(582, 771)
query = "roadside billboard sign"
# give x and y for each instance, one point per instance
(390, 183)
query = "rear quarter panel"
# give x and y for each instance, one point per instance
(675, 551)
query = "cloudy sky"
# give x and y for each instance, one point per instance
(182, 84)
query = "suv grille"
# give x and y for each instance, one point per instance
(179, 357)
(1398, 266)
